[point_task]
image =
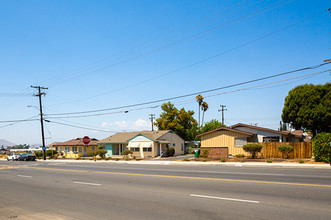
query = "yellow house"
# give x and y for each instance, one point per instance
(234, 137)
(75, 148)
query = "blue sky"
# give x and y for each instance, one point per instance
(104, 54)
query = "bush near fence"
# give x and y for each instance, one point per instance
(301, 150)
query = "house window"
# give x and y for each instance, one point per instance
(239, 142)
(74, 150)
(57, 149)
(271, 139)
(174, 145)
(67, 149)
(182, 146)
(80, 149)
(135, 149)
(93, 148)
(147, 149)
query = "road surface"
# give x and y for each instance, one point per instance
(37, 190)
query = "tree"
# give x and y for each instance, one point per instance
(204, 108)
(253, 149)
(211, 125)
(179, 121)
(308, 107)
(199, 99)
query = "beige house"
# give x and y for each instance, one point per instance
(143, 144)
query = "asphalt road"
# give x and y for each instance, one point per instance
(37, 190)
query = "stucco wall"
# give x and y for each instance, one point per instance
(173, 138)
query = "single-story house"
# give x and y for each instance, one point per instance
(269, 135)
(234, 137)
(75, 148)
(143, 143)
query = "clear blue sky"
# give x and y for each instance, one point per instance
(103, 54)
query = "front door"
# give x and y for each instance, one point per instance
(85, 151)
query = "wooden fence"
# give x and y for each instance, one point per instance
(301, 150)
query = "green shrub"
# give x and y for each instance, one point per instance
(205, 153)
(321, 147)
(134, 157)
(269, 161)
(186, 159)
(93, 153)
(127, 152)
(286, 149)
(90, 159)
(117, 159)
(38, 154)
(223, 160)
(50, 152)
(240, 155)
(63, 157)
(301, 161)
(126, 158)
(108, 158)
(138, 159)
(171, 151)
(102, 152)
(253, 149)
(99, 158)
(204, 160)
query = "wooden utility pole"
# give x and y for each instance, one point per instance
(152, 117)
(41, 116)
(222, 110)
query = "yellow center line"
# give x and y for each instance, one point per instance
(180, 177)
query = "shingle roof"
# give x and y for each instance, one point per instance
(265, 129)
(226, 129)
(123, 137)
(76, 142)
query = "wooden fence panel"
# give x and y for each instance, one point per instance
(301, 149)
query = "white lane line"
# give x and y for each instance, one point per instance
(92, 184)
(24, 176)
(221, 198)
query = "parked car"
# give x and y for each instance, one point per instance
(26, 157)
(13, 157)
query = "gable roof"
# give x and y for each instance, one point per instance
(296, 134)
(76, 142)
(226, 129)
(123, 137)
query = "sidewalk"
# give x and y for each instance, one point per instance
(186, 163)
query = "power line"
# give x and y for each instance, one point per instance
(131, 50)
(277, 4)
(191, 94)
(203, 60)
(86, 128)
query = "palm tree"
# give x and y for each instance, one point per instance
(204, 107)
(199, 99)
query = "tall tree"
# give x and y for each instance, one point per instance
(309, 107)
(211, 125)
(179, 121)
(199, 99)
(204, 108)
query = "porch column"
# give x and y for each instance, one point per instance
(160, 149)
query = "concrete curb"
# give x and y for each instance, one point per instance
(186, 163)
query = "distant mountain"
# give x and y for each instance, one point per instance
(6, 143)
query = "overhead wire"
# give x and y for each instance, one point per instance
(130, 51)
(203, 60)
(207, 96)
(195, 93)
(277, 4)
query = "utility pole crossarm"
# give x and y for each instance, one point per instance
(222, 110)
